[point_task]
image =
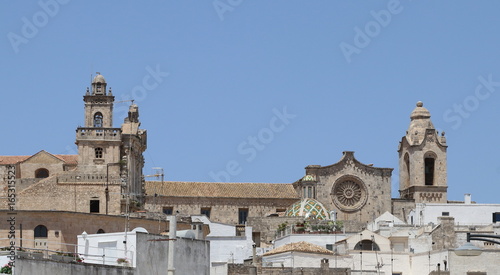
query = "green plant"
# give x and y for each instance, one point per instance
(6, 269)
(122, 260)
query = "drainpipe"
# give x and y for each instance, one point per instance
(172, 235)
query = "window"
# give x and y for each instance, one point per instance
(40, 231)
(496, 217)
(242, 215)
(168, 210)
(329, 247)
(100, 231)
(98, 120)
(366, 245)
(98, 153)
(206, 211)
(94, 206)
(445, 214)
(41, 173)
(429, 171)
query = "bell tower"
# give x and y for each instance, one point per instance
(422, 160)
(98, 142)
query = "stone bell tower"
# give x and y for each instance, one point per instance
(422, 160)
(98, 142)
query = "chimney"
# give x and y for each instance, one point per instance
(467, 199)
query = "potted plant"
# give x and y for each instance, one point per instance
(122, 261)
(6, 269)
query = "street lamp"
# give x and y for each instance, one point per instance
(468, 249)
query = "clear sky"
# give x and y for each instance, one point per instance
(254, 91)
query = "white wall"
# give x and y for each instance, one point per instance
(464, 214)
(109, 244)
(225, 246)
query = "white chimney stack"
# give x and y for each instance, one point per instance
(467, 199)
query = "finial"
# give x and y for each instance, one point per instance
(420, 104)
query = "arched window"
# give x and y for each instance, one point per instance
(98, 120)
(40, 231)
(367, 245)
(100, 231)
(98, 153)
(429, 171)
(41, 173)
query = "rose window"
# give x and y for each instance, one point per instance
(349, 194)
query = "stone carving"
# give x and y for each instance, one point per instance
(349, 194)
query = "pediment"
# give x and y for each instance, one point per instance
(43, 157)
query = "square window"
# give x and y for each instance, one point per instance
(168, 210)
(94, 206)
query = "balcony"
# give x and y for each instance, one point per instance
(109, 134)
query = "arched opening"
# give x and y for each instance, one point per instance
(429, 170)
(98, 118)
(367, 245)
(100, 231)
(408, 175)
(41, 173)
(40, 231)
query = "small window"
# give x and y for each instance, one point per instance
(329, 247)
(496, 217)
(94, 206)
(41, 173)
(168, 210)
(445, 214)
(98, 120)
(242, 215)
(98, 153)
(429, 171)
(206, 211)
(100, 231)
(40, 231)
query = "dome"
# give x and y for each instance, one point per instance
(308, 178)
(420, 122)
(308, 208)
(99, 78)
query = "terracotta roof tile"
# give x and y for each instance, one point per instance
(299, 247)
(221, 190)
(12, 159)
(68, 159)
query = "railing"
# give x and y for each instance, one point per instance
(98, 134)
(76, 177)
(105, 255)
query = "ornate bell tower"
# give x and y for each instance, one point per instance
(98, 142)
(422, 160)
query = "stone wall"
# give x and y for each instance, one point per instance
(221, 210)
(47, 194)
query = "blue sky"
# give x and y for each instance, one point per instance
(254, 91)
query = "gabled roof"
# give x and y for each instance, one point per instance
(221, 190)
(299, 247)
(68, 159)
